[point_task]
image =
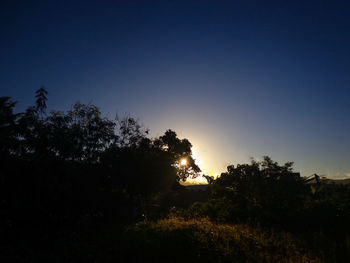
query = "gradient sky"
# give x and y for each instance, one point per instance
(239, 79)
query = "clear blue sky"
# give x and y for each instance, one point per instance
(239, 79)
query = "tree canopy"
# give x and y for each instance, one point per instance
(81, 134)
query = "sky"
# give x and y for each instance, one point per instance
(239, 79)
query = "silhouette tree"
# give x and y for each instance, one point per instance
(8, 127)
(66, 164)
(130, 132)
(72, 170)
(263, 191)
(179, 149)
(41, 98)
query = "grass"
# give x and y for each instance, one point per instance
(174, 239)
(199, 240)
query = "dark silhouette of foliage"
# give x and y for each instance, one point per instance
(8, 127)
(179, 149)
(41, 98)
(66, 174)
(272, 195)
(65, 165)
(131, 133)
(259, 190)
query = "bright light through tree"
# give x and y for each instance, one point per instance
(183, 162)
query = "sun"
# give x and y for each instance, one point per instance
(183, 162)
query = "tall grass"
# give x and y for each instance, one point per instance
(199, 240)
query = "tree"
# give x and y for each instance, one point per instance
(264, 191)
(130, 132)
(84, 155)
(41, 98)
(89, 131)
(178, 150)
(80, 134)
(8, 127)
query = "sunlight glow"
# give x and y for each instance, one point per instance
(183, 162)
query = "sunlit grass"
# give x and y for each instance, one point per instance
(210, 242)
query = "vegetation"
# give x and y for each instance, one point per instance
(273, 196)
(79, 187)
(201, 240)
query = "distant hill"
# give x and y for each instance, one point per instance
(313, 179)
(339, 181)
(310, 180)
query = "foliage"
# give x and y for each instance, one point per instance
(61, 168)
(8, 127)
(265, 193)
(177, 150)
(262, 191)
(68, 175)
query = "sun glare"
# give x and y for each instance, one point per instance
(183, 162)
